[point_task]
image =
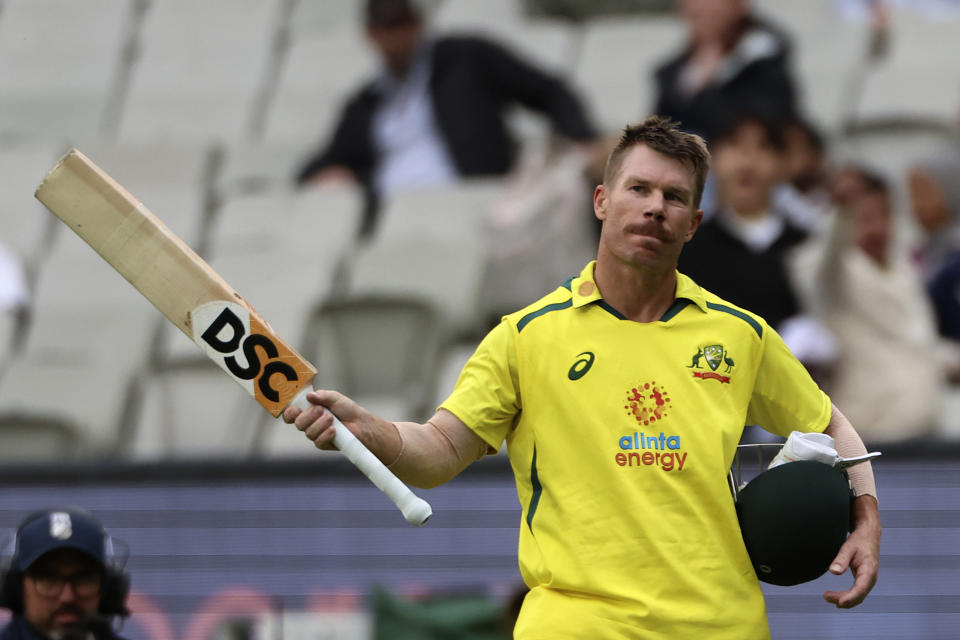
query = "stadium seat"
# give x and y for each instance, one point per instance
(828, 55)
(381, 351)
(615, 68)
(191, 409)
(919, 77)
(431, 244)
(170, 178)
(8, 329)
(75, 379)
(281, 252)
(200, 70)
(26, 227)
(60, 64)
(455, 213)
(309, 18)
(891, 146)
(472, 14)
(314, 84)
(248, 168)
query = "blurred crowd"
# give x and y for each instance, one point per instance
(791, 233)
(862, 283)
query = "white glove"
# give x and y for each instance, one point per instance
(814, 446)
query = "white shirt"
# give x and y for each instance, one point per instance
(757, 233)
(13, 286)
(411, 150)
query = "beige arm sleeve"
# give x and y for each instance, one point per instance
(435, 452)
(848, 444)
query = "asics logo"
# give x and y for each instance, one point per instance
(581, 366)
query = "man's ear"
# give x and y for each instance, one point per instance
(600, 202)
(694, 225)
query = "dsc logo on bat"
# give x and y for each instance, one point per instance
(244, 346)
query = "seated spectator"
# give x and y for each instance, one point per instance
(437, 110)
(804, 196)
(733, 62)
(738, 252)
(870, 297)
(935, 199)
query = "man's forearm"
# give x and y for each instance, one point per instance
(848, 444)
(433, 453)
(866, 512)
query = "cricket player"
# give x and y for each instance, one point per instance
(622, 396)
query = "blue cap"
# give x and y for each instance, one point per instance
(60, 529)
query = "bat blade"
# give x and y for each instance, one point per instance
(199, 302)
(177, 281)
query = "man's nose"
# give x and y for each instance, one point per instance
(68, 593)
(653, 206)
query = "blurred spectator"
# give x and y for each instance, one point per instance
(733, 62)
(738, 253)
(13, 286)
(804, 196)
(13, 301)
(935, 199)
(437, 111)
(870, 297)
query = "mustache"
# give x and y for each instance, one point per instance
(69, 608)
(647, 229)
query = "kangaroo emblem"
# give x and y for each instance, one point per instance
(696, 360)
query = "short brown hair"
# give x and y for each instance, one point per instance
(663, 135)
(388, 14)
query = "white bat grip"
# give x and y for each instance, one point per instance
(416, 510)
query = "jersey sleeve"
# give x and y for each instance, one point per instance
(487, 394)
(785, 398)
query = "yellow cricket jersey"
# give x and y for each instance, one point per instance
(620, 435)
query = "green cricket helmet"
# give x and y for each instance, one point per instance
(794, 518)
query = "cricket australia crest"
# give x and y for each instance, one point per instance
(708, 359)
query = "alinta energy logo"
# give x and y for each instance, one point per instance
(713, 356)
(649, 403)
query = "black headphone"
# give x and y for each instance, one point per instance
(115, 582)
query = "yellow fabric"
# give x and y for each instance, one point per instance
(620, 437)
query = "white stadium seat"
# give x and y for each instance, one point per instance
(280, 251)
(616, 65)
(200, 70)
(75, 378)
(26, 227)
(315, 82)
(59, 65)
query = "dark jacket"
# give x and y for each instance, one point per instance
(759, 282)
(473, 81)
(761, 83)
(18, 629)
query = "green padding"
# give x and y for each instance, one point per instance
(453, 617)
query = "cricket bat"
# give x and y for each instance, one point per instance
(199, 302)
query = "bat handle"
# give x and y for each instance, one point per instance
(416, 510)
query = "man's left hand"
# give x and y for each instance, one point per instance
(861, 553)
